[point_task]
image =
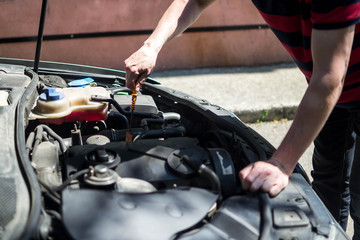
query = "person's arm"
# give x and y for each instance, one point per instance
(176, 19)
(331, 51)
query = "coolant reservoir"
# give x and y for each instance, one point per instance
(58, 105)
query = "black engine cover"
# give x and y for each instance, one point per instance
(94, 214)
(151, 160)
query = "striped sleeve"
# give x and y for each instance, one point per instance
(333, 14)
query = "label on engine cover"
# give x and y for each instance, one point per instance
(226, 168)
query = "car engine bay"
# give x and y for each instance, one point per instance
(83, 153)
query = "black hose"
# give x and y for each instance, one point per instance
(213, 178)
(27, 171)
(55, 214)
(53, 198)
(207, 173)
(42, 127)
(50, 190)
(29, 142)
(70, 179)
(121, 116)
(38, 137)
(163, 133)
(121, 110)
(146, 121)
(265, 213)
(50, 193)
(119, 135)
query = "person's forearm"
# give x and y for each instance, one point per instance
(331, 52)
(176, 19)
(311, 116)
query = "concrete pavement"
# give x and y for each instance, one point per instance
(252, 93)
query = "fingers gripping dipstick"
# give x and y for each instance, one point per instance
(129, 137)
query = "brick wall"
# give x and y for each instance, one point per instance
(20, 18)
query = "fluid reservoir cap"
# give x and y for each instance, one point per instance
(98, 140)
(51, 94)
(80, 82)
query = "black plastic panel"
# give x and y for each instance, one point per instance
(91, 214)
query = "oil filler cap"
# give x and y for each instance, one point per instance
(103, 156)
(51, 94)
(179, 166)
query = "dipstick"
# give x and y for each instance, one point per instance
(128, 136)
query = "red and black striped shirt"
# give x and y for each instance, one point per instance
(292, 22)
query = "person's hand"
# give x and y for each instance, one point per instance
(267, 176)
(139, 67)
